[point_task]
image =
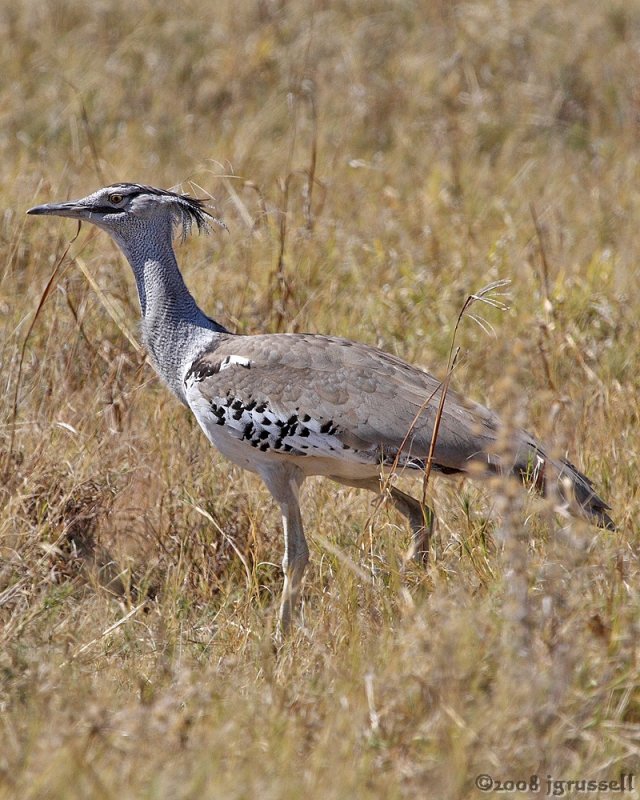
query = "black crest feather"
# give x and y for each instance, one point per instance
(187, 210)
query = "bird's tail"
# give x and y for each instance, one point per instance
(548, 476)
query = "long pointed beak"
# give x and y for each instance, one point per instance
(73, 210)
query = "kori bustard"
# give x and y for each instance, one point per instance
(288, 406)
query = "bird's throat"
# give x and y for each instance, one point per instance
(174, 329)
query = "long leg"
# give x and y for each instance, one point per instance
(284, 484)
(421, 519)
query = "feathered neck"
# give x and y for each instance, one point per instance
(174, 329)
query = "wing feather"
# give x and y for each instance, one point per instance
(349, 404)
(371, 399)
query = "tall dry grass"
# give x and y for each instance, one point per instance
(375, 162)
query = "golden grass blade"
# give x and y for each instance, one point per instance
(108, 306)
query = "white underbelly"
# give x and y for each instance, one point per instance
(244, 455)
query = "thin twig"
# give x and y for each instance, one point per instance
(106, 632)
(278, 277)
(88, 130)
(543, 258)
(313, 156)
(91, 139)
(436, 428)
(108, 305)
(228, 538)
(543, 333)
(45, 294)
(489, 296)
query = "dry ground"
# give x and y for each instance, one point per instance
(375, 162)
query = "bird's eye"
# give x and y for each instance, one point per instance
(116, 199)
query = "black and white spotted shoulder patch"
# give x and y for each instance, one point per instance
(256, 423)
(206, 368)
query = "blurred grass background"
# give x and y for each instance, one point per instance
(375, 163)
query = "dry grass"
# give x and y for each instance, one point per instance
(375, 163)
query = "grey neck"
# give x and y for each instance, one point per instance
(174, 329)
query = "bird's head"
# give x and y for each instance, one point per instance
(126, 208)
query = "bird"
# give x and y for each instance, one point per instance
(288, 406)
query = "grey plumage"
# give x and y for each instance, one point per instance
(288, 406)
